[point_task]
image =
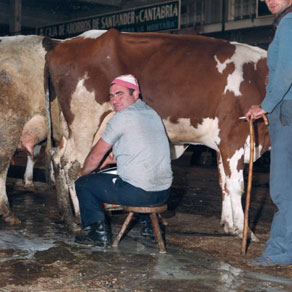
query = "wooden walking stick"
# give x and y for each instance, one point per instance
(249, 183)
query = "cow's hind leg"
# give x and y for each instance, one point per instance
(5, 212)
(10, 130)
(28, 175)
(4, 204)
(232, 184)
(64, 185)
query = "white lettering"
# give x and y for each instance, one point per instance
(118, 20)
(149, 14)
(95, 23)
(174, 11)
(157, 13)
(141, 16)
(61, 30)
(78, 27)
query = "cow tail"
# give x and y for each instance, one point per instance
(48, 158)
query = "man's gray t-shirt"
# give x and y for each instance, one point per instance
(140, 146)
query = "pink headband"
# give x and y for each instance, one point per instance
(128, 81)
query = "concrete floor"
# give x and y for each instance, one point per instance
(40, 255)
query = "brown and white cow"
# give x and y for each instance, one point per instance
(23, 110)
(199, 86)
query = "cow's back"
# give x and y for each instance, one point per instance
(186, 79)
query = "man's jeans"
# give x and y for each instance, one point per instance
(95, 189)
(279, 246)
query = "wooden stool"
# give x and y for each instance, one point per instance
(153, 211)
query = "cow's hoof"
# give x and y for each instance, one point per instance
(11, 220)
(28, 185)
(76, 228)
(254, 238)
(250, 235)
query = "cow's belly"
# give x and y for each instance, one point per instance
(183, 132)
(257, 150)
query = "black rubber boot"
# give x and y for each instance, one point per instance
(147, 229)
(99, 234)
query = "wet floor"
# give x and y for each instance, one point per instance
(133, 267)
(40, 255)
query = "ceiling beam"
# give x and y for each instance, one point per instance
(116, 3)
(15, 16)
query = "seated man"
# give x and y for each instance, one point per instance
(138, 140)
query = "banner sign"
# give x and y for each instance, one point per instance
(163, 16)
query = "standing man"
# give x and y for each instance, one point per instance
(278, 105)
(139, 143)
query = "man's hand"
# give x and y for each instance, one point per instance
(79, 173)
(94, 157)
(110, 159)
(267, 80)
(255, 112)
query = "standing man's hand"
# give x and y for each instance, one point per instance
(255, 112)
